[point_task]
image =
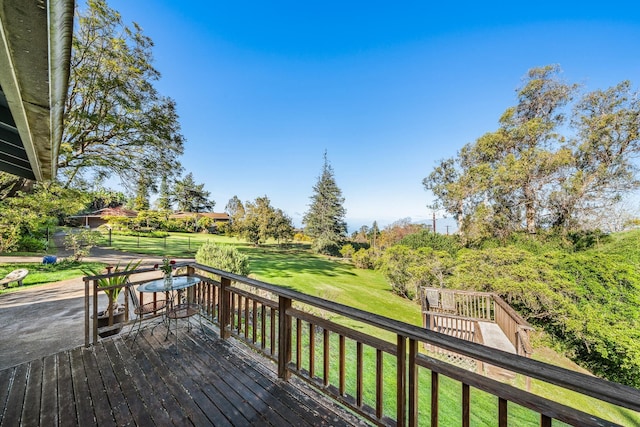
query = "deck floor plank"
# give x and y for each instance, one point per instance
(6, 377)
(159, 387)
(96, 387)
(121, 381)
(66, 402)
(238, 396)
(113, 392)
(190, 410)
(15, 401)
(82, 396)
(33, 394)
(139, 412)
(273, 408)
(49, 411)
(196, 386)
(145, 390)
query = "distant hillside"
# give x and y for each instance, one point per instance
(588, 300)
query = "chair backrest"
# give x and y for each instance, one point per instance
(133, 295)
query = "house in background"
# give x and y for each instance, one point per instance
(216, 218)
(100, 217)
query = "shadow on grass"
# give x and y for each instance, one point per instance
(284, 262)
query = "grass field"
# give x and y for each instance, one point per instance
(40, 274)
(295, 267)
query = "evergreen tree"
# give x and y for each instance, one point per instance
(192, 197)
(324, 221)
(164, 198)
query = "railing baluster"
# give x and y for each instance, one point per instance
(545, 421)
(379, 383)
(263, 326)
(240, 300)
(326, 360)
(413, 383)
(466, 405)
(298, 344)
(359, 374)
(341, 349)
(246, 319)
(254, 321)
(502, 412)
(272, 312)
(312, 350)
(435, 385)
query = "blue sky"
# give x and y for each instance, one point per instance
(387, 88)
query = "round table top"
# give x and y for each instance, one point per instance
(179, 282)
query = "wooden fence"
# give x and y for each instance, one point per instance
(476, 306)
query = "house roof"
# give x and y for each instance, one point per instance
(35, 52)
(119, 211)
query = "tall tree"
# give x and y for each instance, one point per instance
(164, 197)
(192, 197)
(236, 212)
(115, 120)
(324, 221)
(141, 198)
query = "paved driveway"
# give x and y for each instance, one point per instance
(42, 320)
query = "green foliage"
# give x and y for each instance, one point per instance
(191, 197)
(32, 244)
(115, 122)
(226, 258)
(26, 215)
(589, 300)
(324, 221)
(112, 285)
(261, 221)
(428, 239)
(364, 258)
(527, 176)
(347, 250)
(81, 241)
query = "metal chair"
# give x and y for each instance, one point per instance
(145, 311)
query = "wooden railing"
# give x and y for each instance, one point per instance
(483, 306)
(376, 369)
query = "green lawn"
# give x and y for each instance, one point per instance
(45, 273)
(337, 280)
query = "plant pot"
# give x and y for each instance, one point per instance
(103, 321)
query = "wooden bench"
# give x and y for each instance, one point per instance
(15, 276)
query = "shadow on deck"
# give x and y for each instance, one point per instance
(120, 381)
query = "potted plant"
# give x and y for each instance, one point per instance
(112, 286)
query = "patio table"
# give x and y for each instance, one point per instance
(177, 306)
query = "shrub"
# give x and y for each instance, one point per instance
(32, 244)
(81, 242)
(364, 258)
(347, 250)
(226, 258)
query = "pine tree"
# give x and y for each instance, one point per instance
(324, 221)
(164, 198)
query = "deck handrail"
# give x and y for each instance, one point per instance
(598, 388)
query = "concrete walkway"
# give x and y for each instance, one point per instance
(41, 320)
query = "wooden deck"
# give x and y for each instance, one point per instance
(145, 383)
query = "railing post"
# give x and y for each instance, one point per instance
(284, 338)
(401, 383)
(225, 307)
